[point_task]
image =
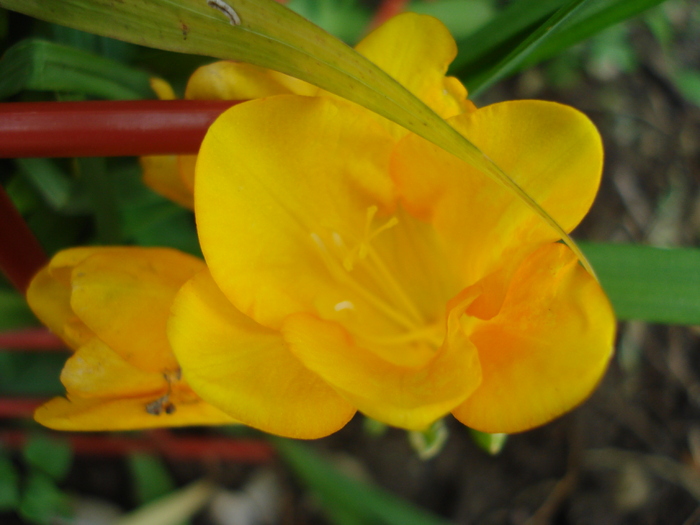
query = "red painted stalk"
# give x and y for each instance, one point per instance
(250, 451)
(105, 129)
(19, 407)
(21, 256)
(31, 339)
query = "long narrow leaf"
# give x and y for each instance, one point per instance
(349, 500)
(588, 24)
(44, 66)
(485, 44)
(479, 52)
(649, 284)
(510, 63)
(267, 34)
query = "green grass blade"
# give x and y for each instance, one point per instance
(573, 22)
(347, 500)
(649, 284)
(600, 16)
(267, 34)
(510, 63)
(485, 46)
(34, 64)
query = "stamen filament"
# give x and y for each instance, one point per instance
(336, 269)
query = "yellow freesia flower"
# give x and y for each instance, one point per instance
(416, 50)
(353, 266)
(111, 306)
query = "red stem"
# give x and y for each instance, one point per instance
(250, 451)
(21, 256)
(19, 407)
(31, 339)
(105, 129)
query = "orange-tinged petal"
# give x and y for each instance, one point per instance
(124, 294)
(284, 186)
(416, 50)
(246, 370)
(162, 174)
(552, 151)
(95, 370)
(227, 80)
(546, 349)
(95, 414)
(406, 397)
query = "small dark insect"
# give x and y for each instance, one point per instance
(160, 406)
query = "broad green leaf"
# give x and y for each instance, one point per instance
(267, 34)
(348, 500)
(649, 284)
(39, 65)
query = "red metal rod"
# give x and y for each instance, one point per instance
(31, 339)
(21, 256)
(176, 447)
(19, 407)
(106, 128)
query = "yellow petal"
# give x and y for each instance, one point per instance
(227, 80)
(95, 414)
(246, 369)
(162, 174)
(416, 50)
(123, 295)
(546, 349)
(97, 371)
(552, 151)
(162, 88)
(284, 185)
(48, 296)
(406, 397)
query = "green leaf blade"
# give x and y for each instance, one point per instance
(40, 65)
(649, 284)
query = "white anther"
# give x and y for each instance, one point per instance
(344, 305)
